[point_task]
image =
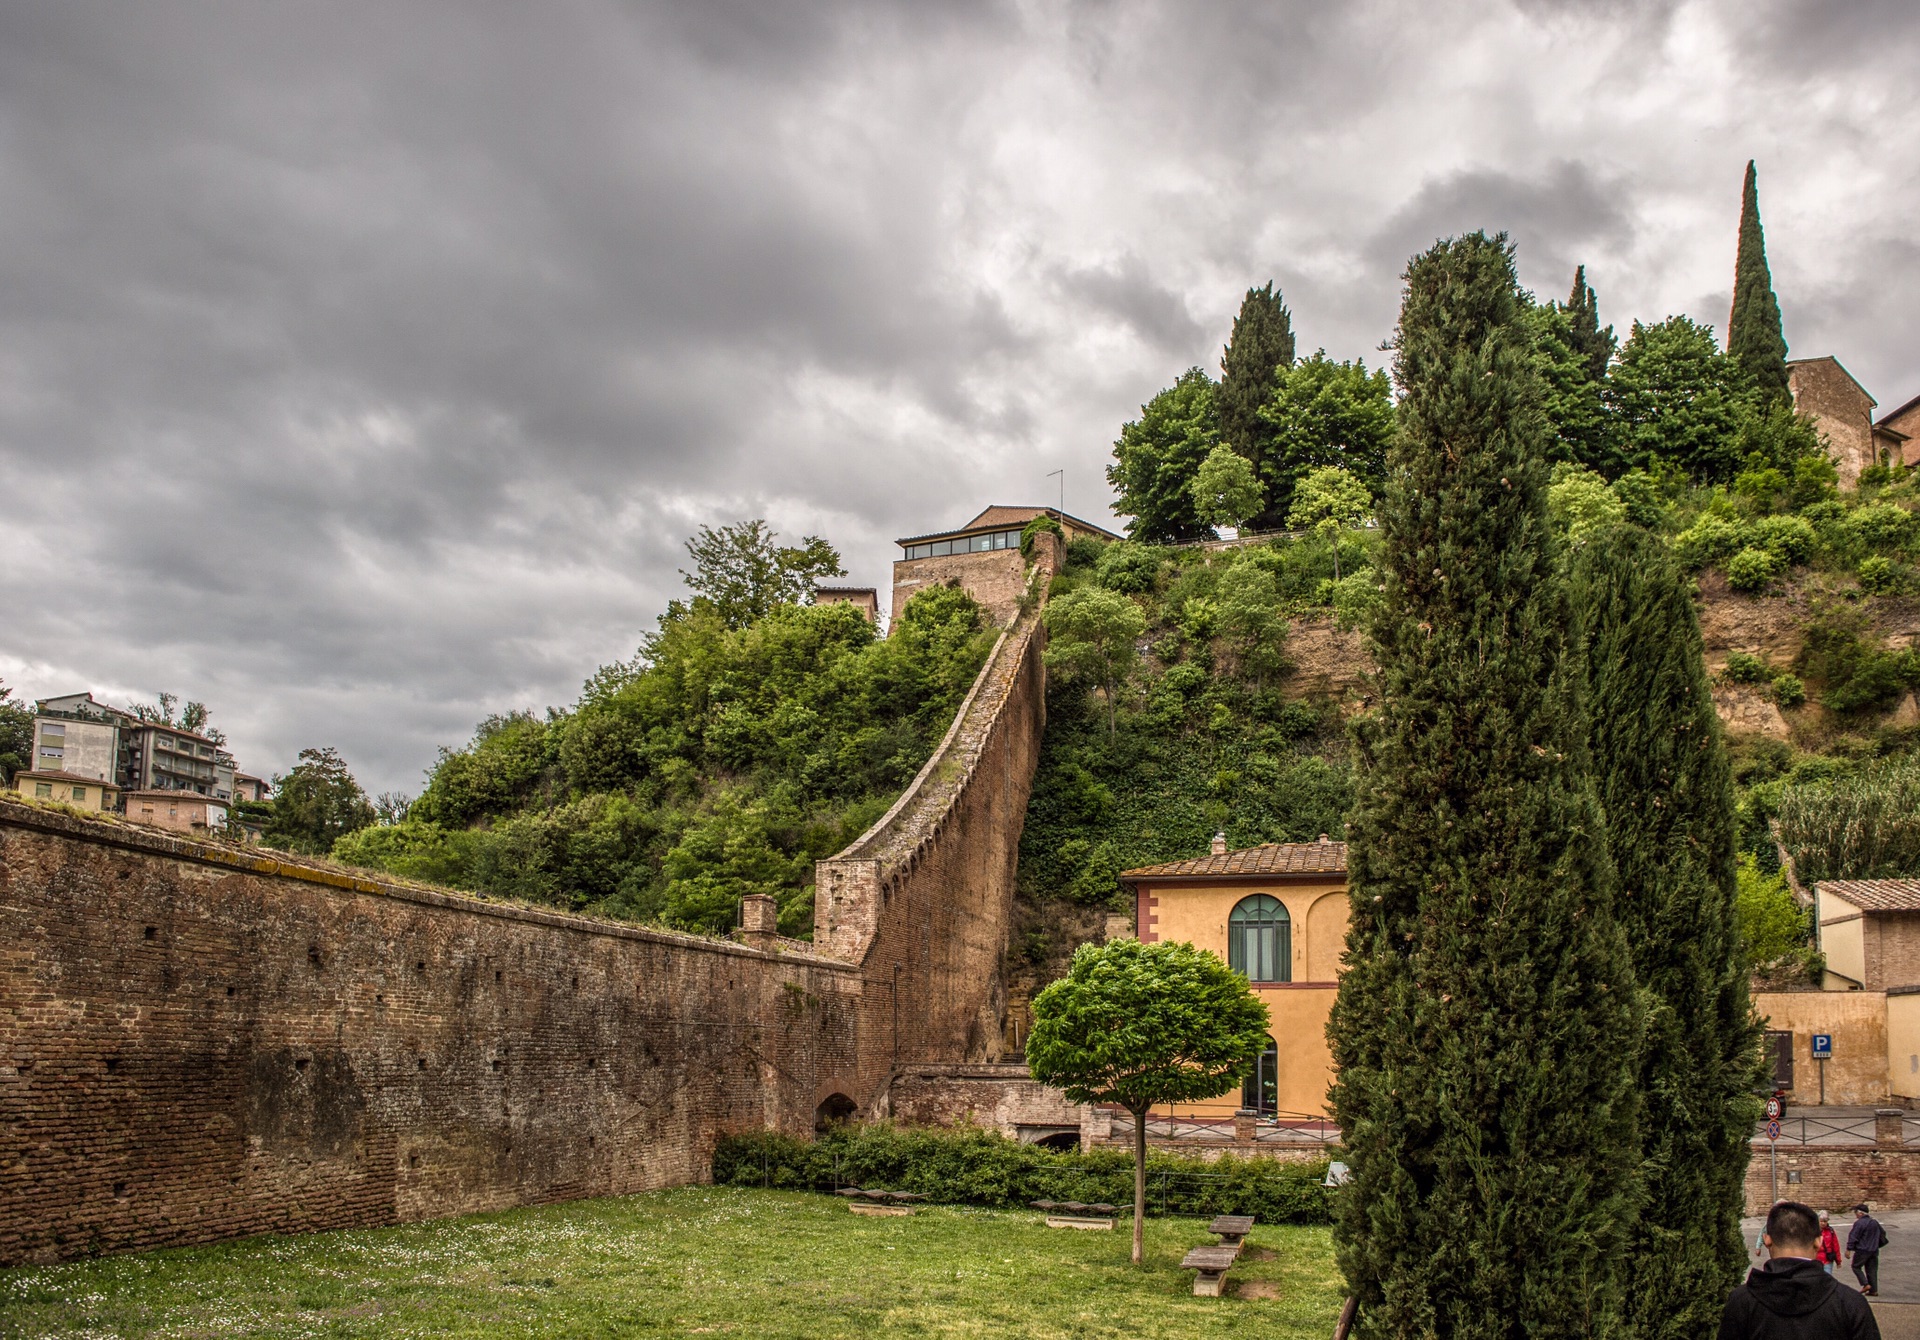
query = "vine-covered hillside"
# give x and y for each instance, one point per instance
(723, 760)
(1192, 728)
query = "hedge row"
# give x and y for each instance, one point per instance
(981, 1167)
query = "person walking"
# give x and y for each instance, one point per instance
(1791, 1297)
(1864, 1241)
(1829, 1254)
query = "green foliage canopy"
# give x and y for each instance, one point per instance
(1326, 413)
(1675, 397)
(1226, 491)
(1091, 634)
(1158, 456)
(746, 573)
(316, 804)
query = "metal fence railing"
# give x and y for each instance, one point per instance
(1850, 1129)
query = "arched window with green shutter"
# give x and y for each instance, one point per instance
(1260, 939)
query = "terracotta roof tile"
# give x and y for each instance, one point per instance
(1271, 858)
(1876, 895)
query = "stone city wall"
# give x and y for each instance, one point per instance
(197, 1042)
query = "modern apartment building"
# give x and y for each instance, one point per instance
(77, 738)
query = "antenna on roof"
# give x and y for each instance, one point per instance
(1063, 486)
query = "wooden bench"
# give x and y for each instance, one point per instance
(1232, 1229)
(1212, 1263)
(874, 1201)
(1098, 1217)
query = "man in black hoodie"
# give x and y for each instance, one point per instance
(1792, 1297)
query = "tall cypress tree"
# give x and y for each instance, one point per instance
(1662, 776)
(1753, 330)
(1485, 1026)
(1596, 343)
(1261, 344)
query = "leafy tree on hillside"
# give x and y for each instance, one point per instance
(1595, 342)
(1665, 785)
(1326, 413)
(1485, 1027)
(1091, 635)
(1676, 398)
(1754, 340)
(1572, 396)
(1257, 353)
(16, 736)
(1226, 492)
(1250, 614)
(1327, 501)
(316, 804)
(1139, 1025)
(745, 571)
(1158, 457)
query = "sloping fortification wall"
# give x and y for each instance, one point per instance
(198, 1042)
(923, 901)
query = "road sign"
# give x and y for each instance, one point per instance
(1773, 1109)
(1822, 1046)
(1773, 1130)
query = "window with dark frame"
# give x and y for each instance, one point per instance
(1260, 939)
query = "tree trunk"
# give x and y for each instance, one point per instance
(1139, 1181)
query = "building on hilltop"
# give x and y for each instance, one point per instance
(116, 756)
(863, 598)
(68, 788)
(982, 557)
(181, 811)
(1842, 412)
(1898, 430)
(1278, 913)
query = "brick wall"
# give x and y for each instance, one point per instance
(923, 900)
(995, 579)
(197, 1043)
(1842, 412)
(1835, 1177)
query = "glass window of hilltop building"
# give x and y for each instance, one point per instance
(1260, 939)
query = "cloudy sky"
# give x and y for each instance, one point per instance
(363, 366)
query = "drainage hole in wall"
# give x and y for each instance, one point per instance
(496, 974)
(423, 1063)
(125, 873)
(152, 931)
(379, 999)
(119, 1189)
(421, 966)
(301, 1064)
(313, 955)
(592, 1061)
(113, 1064)
(229, 991)
(496, 1065)
(413, 1160)
(576, 984)
(590, 1142)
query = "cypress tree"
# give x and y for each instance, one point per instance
(1260, 345)
(1753, 330)
(1583, 320)
(1662, 777)
(1484, 1029)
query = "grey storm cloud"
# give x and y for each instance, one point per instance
(363, 367)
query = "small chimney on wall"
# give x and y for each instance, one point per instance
(1219, 844)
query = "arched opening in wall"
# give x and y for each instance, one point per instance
(1065, 1143)
(835, 1110)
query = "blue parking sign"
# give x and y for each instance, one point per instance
(1822, 1045)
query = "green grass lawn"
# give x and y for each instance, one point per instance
(692, 1261)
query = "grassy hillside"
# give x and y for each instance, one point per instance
(1809, 601)
(719, 762)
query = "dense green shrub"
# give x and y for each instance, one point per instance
(1791, 539)
(1746, 668)
(977, 1167)
(1788, 691)
(1881, 576)
(1713, 538)
(1881, 525)
(721, 761)
(1855, 672)
(1753, 570)
(1128, 568)
(1862, 826)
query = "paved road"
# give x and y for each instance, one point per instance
(1897, 1308)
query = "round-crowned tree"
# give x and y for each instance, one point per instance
(1139, 1024)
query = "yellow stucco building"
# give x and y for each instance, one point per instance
(1277, 913)
(87, 793)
